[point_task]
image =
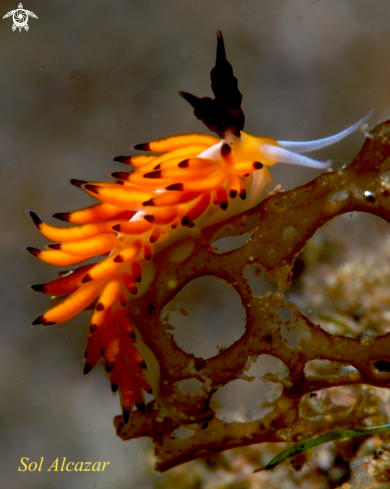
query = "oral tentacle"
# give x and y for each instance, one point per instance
(281, 155)
(306, 146)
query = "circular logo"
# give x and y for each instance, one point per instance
(20, 18)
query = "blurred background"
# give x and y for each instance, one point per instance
(87, 82)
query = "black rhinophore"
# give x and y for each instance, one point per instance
(223, 113)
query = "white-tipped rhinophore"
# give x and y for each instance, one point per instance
(305, 146)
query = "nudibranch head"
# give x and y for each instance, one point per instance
(189, 182)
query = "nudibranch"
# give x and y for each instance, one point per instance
(189, 182)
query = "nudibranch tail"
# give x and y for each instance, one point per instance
(191, 182)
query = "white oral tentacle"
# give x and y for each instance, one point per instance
(281, 155)
(305, 146)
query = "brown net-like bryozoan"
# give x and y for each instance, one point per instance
(282, 225)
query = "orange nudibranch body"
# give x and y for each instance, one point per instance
(186, 192)
(193, 181)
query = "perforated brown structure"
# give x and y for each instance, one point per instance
(281, 226)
